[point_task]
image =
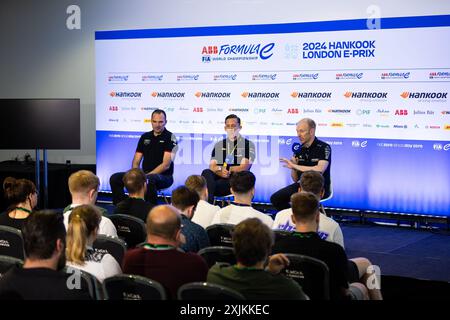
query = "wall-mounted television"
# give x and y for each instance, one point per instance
(40, 124)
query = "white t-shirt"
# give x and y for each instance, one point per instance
(235, 213)
(101, 266)
(204, 213)
(328, 228)
(106, 226)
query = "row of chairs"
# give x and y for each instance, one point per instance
(133, 287)
(310, 273)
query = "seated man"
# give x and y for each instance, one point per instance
(160, 258)
(312, 181)
(83, 187)
(186, 201)
(252, 242)
(313, 154)
(156, 149)
(135, 182)
(306, 241)
(204, 213)
(243, 188)
(41, 277)
(233, 154)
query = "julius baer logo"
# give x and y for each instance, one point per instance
(245, 52)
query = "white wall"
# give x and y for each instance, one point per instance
(41, 58)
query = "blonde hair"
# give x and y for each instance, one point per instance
(196, 183)
(83, 220)
(83, 181)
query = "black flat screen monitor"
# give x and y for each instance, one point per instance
(40, 124)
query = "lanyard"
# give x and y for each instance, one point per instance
(137, 198)
(245, 268)
(303, 235)
(232, 151)
(23, 209)
(150, 246)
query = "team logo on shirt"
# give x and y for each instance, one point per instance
(146, 142)
(323, 235)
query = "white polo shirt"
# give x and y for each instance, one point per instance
(236, 212)
(204, 213)
(328, 228)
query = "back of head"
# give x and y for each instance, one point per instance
(312, 181)
(163, 221)
(305, 206)
(242, 182)
(252, 241)
(17, 190)
(40, 232)
(196, 183)
(134, 180)
(183, 198)
(83, 221)
(81, 182)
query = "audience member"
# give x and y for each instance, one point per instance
(83, 186)
(22, 197)
(135, 182)
(204, 213)
(41, 277)
(243, 188)
(160, 258)
(312, 181)
(306, 241)
(84, 222)
(252, 242)
(186, 201)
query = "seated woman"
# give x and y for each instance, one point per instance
(22, 196)
(84, 222)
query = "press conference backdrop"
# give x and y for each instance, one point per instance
(379, 98)
(39, 123)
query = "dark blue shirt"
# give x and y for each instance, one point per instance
(196, 236)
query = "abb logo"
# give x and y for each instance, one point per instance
(210, 50)
(198, 109)
(401, 112)
(293, 110)
(113, 108)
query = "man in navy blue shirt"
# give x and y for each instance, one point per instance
(186, 201)
(314, 155)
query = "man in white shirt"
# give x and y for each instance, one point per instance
(204, 213)
(83, 187)
(312, 181)
(243, 188)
